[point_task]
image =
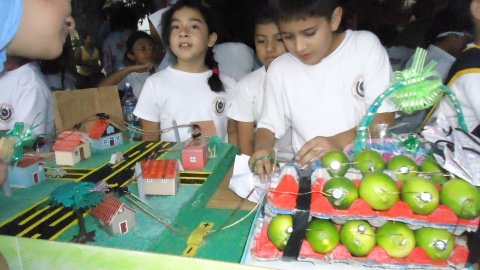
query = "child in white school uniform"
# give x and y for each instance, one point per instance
(323, 87)
(193, 89)
(34, 29)
(140, 57)
(248, 102)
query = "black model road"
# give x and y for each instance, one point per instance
(45, 221)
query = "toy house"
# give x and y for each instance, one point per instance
(160, 177)
(105, 135)
(71, 147)
(195, 154)
(27, 172)
(114, 216)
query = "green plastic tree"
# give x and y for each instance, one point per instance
(80, 196)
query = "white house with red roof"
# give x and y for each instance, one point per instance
(71, 147)
(114, 216)
(27, 172)
(160, 177)
(105, 135)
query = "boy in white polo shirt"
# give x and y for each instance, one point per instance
(323, 86)
(248, 102)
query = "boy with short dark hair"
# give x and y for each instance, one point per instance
(323, 87)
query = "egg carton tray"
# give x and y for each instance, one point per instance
(282, 200)
(262, 249)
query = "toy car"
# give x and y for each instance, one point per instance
(116, 157)
(55, 172)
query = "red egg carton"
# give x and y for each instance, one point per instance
(283, 199)
(263, 249)
(442, 217)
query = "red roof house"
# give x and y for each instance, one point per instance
(71, 147)
(104, 134)
(27, 172)
(114, 216)
(160, 177)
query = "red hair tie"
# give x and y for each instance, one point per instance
(215, 71)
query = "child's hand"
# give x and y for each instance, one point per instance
(143, 68)
(261, 163)
(6, 148)
(313, 150)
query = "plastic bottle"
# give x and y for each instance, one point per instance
(129, 101)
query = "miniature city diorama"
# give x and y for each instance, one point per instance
(400, 200)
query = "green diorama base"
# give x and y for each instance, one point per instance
(184, 211)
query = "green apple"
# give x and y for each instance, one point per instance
(369, 161)
(322, 235)
(396, 238)
(279, 230)
(437, 243)
(421, 195)
(336, 163)
(358, 237)
(379, 191)
(403, 167)
(341, 192)
(462, 197)
(437, 174)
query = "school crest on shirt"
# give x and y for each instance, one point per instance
(219, 104)
(6, 113)
(358, 88)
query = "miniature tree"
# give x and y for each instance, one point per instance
(80, 196)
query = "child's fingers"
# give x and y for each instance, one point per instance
(264, 169)
(312, 150)
(313, 155)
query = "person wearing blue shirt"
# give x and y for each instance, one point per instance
(35, 29)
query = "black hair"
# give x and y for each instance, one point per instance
(458, 20)
(131, 41)
(214, 81)
(286, 10)
(264, 14)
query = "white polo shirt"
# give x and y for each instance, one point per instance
(330, 97)
(184, 97)
(26, 97)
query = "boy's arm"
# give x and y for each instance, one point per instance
(246, 136)
(261, 162)
(383, 118)
(232, 132)
(150, 130)
(319, 146)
